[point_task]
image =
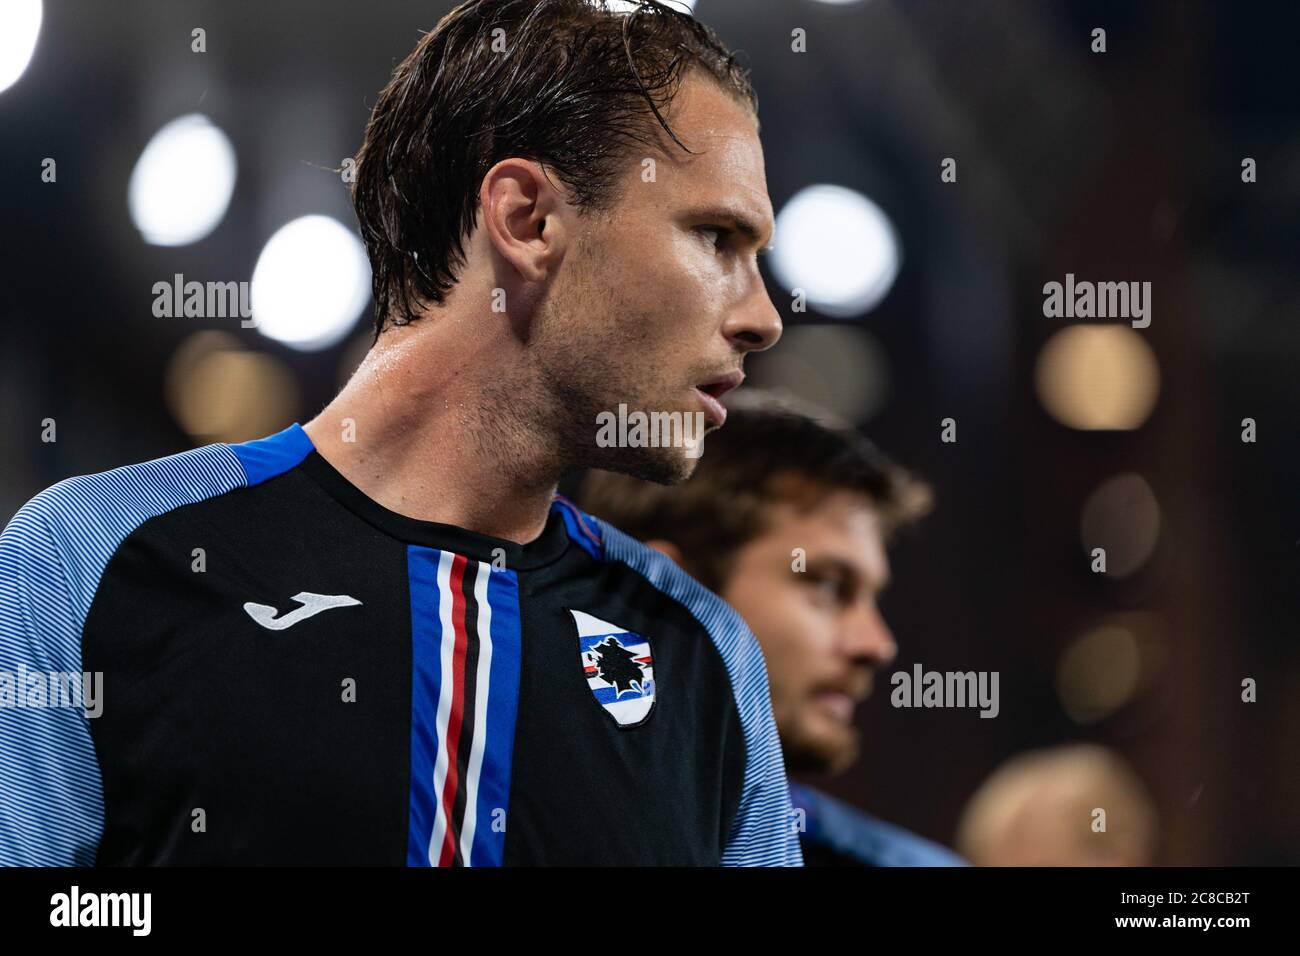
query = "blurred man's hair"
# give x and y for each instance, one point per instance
(573, 84)
(772, 449)
(1040, 805)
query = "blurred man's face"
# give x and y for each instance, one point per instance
(659, 300)
(820, 629)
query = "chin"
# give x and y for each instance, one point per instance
(823, 752)
(664, 466)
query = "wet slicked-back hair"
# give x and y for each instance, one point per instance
(772, 449)
(571, 84)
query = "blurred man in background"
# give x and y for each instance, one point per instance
(787, 519)
(1079, 805)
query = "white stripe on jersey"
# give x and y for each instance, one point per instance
(445, 690)
(481, 682)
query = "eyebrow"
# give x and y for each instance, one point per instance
(850, 571)
(737, 220)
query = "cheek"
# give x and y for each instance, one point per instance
(644, 307)
(794, 636)
(682, 277)
(669, 292)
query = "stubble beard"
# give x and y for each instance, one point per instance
(586, 368)
(818, 755)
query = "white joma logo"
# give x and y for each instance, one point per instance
(312, 604)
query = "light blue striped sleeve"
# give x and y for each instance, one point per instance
(51, 802)
(763, 832)
(53, 553)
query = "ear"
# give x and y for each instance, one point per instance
(523, 215)
(668, 549)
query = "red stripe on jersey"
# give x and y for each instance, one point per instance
(452, 743)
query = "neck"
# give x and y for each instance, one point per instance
(434, 426)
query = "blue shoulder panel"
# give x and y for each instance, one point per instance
(581, 527)
(265, 458)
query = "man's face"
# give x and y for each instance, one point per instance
(660, 297)
(820, 629)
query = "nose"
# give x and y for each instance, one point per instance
(868, 638)
(756, 325)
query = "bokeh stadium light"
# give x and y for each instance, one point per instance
(838, 246)
(622, 6)
(311, 283)
(20, 25)
(1099, 673)
(217, 390)
(841, 368)
(1121, 516)
(1098, 377)
(182, 183)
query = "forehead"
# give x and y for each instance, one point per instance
(842, 525)
(726, 162)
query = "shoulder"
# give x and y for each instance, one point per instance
(83, 514)
(117, 496)
(60, 541)
(760, 833)
(88, 506)
(845, 829)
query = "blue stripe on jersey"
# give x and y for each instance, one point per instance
(52, 555)
(489, 763)
(426, 679)
(611, 695)
(503, 707)
(266, 458)
(762, 833)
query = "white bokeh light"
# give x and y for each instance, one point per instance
(182, 182)
(311, 283)
(838, 246)
(627, 6)
(20, 25)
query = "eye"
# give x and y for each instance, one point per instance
(714, 234)
(824, 590)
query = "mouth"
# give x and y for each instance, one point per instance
(840, 702)
(710, 394)
(836, 704)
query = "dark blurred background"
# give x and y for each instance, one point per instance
(924, 303)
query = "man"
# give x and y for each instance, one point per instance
(787, 519)
(380, 638)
